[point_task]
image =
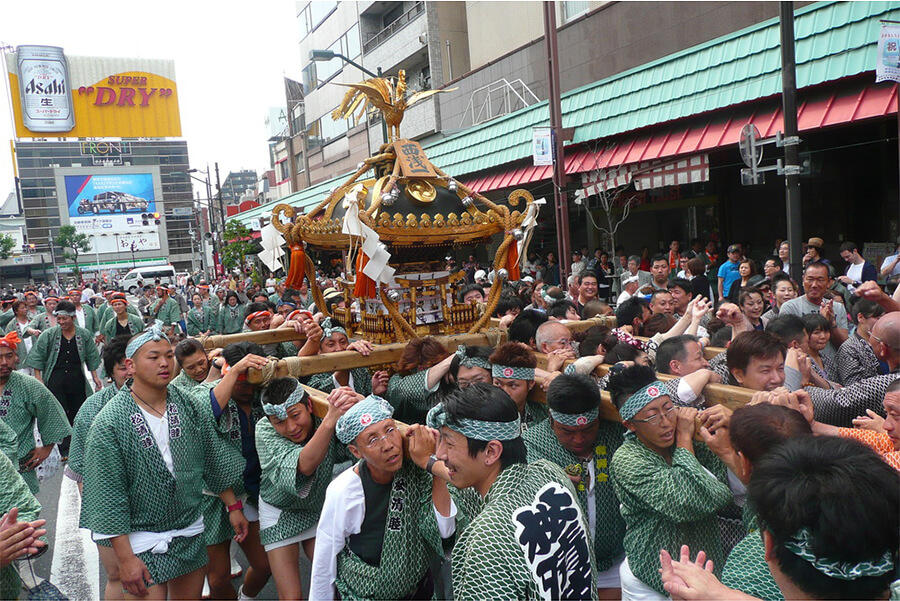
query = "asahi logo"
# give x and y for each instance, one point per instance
(54, 87)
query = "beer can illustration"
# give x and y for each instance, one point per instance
(45, 89)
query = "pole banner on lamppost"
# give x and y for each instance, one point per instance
(888, 67)
(542, 146)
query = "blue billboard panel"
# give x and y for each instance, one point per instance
(113, 208)
(109, 194)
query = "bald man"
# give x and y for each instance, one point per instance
(839, 407)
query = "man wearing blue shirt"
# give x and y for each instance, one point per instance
(728, 272)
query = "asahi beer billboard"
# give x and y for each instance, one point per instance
(91, 97)
(114, 207)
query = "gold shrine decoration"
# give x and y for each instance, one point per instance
(381, 93)
(412, 159)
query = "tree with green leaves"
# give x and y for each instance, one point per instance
(69, 237)
(238, 244)
(7, 243)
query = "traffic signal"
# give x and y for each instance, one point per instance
(156, 218)
(145, 218)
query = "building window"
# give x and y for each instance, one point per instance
(570, 10)
(298, 160)
(284, 171)
(312, 15)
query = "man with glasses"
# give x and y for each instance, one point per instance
(385, 519)
(816, 282)
(670, 486)
(555, 340)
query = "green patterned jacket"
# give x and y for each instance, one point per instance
(83, 420)
(542, 443)
(127, 486)
(108, 329)
(530, 541)
(45, 352)
(668, 505)
(299, 497)
(23, 401)
(14, 492)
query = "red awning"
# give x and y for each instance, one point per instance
(818, 109)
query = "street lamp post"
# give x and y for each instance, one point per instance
(323, 56)
(209, 199)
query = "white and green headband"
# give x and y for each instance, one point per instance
(153, 333)
(574, 420)
(466, 361)
(280, 410)
(474, 428)
(800, 545)
(328, 330)
(512, 373)
(642, 398)
(363, 414)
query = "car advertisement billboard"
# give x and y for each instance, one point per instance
(55, 95)
(115, 210)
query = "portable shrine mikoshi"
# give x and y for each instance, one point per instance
(397, 217)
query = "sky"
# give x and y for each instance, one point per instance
(230, 59)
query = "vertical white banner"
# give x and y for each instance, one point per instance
(542, 146)
(888, 67)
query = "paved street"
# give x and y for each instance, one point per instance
(72, 563)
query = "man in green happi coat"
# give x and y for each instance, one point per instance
(670, 487)
(385, 519)
(59, 356)
(576, 439)
(149, 455)
(23, 402)
(297, 454)
(20, 528)
(85, 315)
(530, 539)
(166, 309)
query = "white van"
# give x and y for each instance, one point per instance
(147, 275)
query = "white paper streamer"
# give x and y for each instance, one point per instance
(377, 267)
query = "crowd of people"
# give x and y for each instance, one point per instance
(474, 472)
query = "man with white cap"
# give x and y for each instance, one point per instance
(530, 539)
(148, 455)
(630, 285)
(386, 518)
(166, 310)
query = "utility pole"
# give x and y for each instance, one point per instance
(560, 198)
(791, 141)
(221, 214)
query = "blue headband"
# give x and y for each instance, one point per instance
(280, 410)
(154, 333)
(328, 330)
(370, 410)
(466, 361)
(475, 428)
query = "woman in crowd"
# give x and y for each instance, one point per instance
(122, 323)
(231, 314)
(27, 334)
(819, 335)
(696, 273)
(46, 320)
(784, 290)
(199, 318)
(752, 305)
(747, 269)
